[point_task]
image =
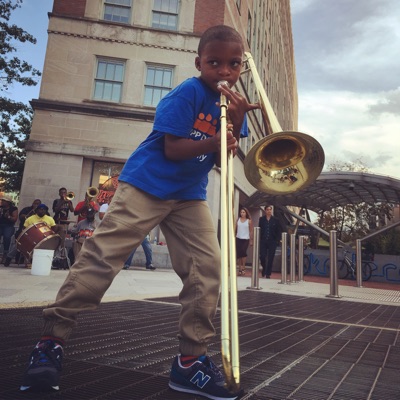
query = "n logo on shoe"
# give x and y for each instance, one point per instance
(200, 380)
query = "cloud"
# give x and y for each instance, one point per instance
(348, 131)
(346, 44)
(347, 61)
(389, 104)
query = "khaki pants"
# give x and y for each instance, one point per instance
(193, 248)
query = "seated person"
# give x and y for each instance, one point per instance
(83, 230)
(41, 216)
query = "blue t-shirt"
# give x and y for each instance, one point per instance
(188, 111)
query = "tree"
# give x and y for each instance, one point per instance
(15, 117)
(354, 221)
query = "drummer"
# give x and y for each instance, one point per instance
(41, 216)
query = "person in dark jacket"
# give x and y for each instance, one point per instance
(270, 236)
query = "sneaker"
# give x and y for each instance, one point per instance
(151, 266)
(126, 267)
(202, 378)
(43, 371)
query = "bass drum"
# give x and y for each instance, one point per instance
(37, 236)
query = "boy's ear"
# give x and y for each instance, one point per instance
(197, 63)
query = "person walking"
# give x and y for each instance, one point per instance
(270, 236)
(8, 218)
(164, 182)
(244, 238)
(148, 252)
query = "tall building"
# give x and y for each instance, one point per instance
(108, 63)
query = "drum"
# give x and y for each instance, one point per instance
(37, 236)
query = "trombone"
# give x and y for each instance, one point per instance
(280, 163)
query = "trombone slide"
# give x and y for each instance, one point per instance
(229, 309)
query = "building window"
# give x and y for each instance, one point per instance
(109, 80)
(165, 14)
(117, 10)
(158, 84)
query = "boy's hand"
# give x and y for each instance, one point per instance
(237, 108)
(231, 141)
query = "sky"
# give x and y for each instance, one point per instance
(347, 55)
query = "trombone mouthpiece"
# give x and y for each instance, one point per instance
(223, 83)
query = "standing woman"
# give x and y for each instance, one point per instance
(8, 218)
(244, 237)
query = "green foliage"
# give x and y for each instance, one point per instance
(355, 221)
(15, 117)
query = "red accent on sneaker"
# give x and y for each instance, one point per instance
(188, 361)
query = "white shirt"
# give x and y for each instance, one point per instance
(243, 231)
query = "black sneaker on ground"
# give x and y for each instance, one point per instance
(202, 378)
(43, 371)
(151, 266)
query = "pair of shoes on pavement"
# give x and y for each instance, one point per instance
(151, 266)
(202, 377)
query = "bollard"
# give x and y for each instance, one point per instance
(292, 258)
(284, 259)
(256, 260)
(358, 263)
(333, 270)
(301, 259)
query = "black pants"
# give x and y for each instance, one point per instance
(267, 254)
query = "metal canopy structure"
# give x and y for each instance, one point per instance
(334, 189)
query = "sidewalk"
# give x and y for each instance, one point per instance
(295, 342)
(21, 289)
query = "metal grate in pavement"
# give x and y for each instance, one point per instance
(292, 347)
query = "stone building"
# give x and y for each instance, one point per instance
(107, 64)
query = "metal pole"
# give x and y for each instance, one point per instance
(256, 260)
(292, 258)
(301, 258)
(333, 271)
(284, 259)
(358, 263)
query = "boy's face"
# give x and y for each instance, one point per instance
(220, 61)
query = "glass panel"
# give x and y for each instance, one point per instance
(150, 76)
(116, 92)
(156, 96)
(167, 78)
(101, 70)
(158, 78)
(98, 90)
(157, 5)
(110, 71)
(119, 72)
(147, 96)
(107, 91)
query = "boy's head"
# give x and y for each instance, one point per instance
(220, 56)
(221, 33)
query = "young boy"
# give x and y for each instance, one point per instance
(163, 182)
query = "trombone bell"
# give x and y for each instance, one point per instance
(284, 162)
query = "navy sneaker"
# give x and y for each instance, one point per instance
(43, 371)
(202, 378)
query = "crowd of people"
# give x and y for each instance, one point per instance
(77, 222)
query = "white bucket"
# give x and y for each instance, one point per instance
(41, 262)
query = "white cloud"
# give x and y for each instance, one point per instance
(347, 62)
(348, 132)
